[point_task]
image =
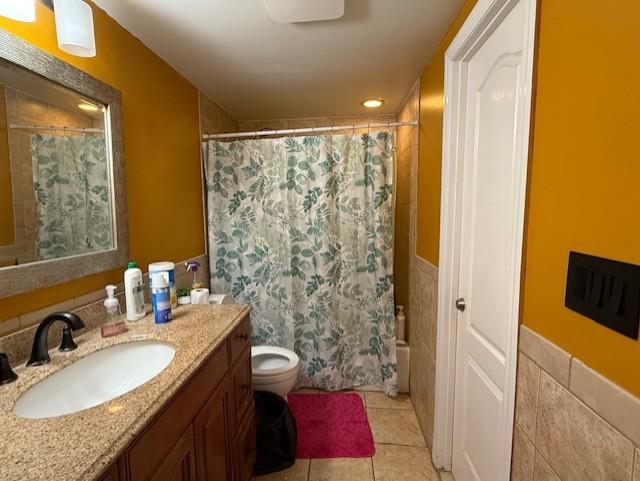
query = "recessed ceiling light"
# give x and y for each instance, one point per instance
(84, 105)
(373, 103)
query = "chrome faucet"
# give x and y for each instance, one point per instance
(40, 350)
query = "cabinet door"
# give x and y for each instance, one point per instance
(244, 454)
(241, 380)
(179, 465)
(212, 435)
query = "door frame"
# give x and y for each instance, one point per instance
(482, 20)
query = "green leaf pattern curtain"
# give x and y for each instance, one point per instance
(72, 195)
(302, 229)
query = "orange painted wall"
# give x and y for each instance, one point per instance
(584, 178)
(430, 156)
(161, 151)
(584, 173)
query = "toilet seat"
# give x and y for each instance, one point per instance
(269, 361)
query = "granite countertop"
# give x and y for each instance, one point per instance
(82, 445)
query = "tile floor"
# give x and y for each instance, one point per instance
(401, 454)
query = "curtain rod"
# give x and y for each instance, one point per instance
(53, 127)
(309, 130)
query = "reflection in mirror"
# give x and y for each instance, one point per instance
(56, 195)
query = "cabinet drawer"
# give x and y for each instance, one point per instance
(242, 386)
(154, 444)
(245, 448)
(239, 339)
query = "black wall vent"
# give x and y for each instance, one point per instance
(606, 291)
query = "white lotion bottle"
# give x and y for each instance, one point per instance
(134, 292)
(400, 326)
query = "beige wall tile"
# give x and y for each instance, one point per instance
(428, 317)
(406, 463)
(422, 330)
(395, 426)
(527, 383)
(578, 444)
(636, 471)
(614, 404)
(341, 469)
(523, 456)
(545, 354)
(213, 118)
(422, 380)
(381, 400)
(542, 471)
(298, 472)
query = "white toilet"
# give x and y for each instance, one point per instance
(275, 369)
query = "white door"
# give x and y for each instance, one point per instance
(489, 228)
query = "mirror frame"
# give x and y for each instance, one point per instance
(40, 274)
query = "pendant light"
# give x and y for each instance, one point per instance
(21, 10)
(74, 27)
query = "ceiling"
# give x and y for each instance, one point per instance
(258, 69)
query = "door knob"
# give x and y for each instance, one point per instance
(461, 304)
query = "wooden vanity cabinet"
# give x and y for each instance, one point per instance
(207, 431)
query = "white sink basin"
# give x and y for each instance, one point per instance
(95, 379)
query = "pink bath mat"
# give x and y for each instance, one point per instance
(331, 426)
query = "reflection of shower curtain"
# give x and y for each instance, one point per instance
(302, 229)
(72, 193)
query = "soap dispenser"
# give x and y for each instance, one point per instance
(193, 266)
(114, 324)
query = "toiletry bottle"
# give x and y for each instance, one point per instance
(169, 269)
(134, 292)
(400, 325)
(114, 324)
(193, 266)
(161, 298)
(112, 305)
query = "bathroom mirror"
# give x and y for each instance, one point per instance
(62, 196)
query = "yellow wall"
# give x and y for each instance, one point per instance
(430, 157)
(6, 199)
(584, 185)
(584, 174)
(161, 151)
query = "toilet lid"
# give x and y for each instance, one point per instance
(270, 360)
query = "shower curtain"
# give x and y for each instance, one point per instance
(72, 195)
(302, 229)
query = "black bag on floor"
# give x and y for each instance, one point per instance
(276, 434)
